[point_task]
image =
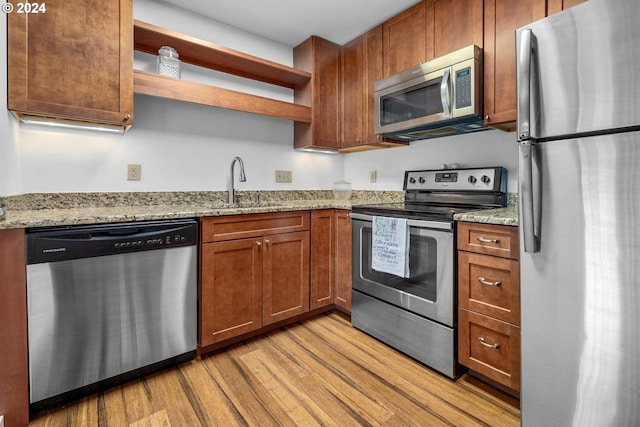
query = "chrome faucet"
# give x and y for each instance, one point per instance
(243, 178)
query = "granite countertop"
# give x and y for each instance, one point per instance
(502, 216)
(60, 209)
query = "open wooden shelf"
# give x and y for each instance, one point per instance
(149, 38)
(168, 87)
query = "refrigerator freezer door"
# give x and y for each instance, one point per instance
(580, 295)
(583, 69)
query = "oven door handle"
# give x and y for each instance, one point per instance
(438, 225)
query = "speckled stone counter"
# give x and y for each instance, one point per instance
(502, 216)
(56, 209)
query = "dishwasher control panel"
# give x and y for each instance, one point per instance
(67, 243)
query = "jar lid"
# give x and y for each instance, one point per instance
(168, 51)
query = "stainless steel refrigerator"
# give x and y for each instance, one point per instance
(579, 191)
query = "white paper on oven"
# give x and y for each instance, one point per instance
(390, 245)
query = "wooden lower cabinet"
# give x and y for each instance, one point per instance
(285, 283)
(343, 260)
(489, 302)
(14, 371)
(323, 249)
(231, 289)
(490, 347)
(253, 281)
(331, 258)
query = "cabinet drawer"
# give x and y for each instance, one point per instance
(220, 228)
(499, 240)
(489, 285)
(489, 347)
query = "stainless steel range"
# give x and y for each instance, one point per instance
(404, 286)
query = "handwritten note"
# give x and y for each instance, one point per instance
(390, 245)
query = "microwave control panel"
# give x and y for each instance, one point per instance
(463, 88)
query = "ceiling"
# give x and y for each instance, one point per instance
(290, 22)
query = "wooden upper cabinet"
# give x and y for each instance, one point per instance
(361, 68)
(75, 61)
(501, 19)
(404, 38)
(321, 58)
(353, 91)
(452, 25)
(555, 6)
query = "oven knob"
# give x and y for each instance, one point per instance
(422, 180)
(485, 179)
(412, 180)
(472, 179)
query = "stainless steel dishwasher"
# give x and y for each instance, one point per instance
(108, 303)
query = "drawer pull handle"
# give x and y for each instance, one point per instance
(486, 282)
(481, 341)
(483, 240)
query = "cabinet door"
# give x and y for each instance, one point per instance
(343, 260)
(352, 93)
(323, 235)
(502, 18)
(74, 61)
(452, 25)
(322, 59)
(404, 38)
(489, 285)
(286, 276)
(231, 289)
(489, 347)
(14, 372)
(373, 71)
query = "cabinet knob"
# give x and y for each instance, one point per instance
(127, 117)
(259, 244)
(487, 117)
(267, 241)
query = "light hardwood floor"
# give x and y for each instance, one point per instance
(317, 372)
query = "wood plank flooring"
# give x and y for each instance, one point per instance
(314, 373)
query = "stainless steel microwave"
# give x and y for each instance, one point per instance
(440, 97)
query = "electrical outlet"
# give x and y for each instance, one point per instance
(134, 171)
(373, 176)
(284, 176)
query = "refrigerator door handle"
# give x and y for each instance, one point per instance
(528, 193)
(525, 52)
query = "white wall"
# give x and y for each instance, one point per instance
(188, 147)
(181, 146)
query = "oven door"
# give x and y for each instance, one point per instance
(429, 290)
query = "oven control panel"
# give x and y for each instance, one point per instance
(469, 179)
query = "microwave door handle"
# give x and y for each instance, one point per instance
(445, 91)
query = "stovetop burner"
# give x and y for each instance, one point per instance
(440, 194)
